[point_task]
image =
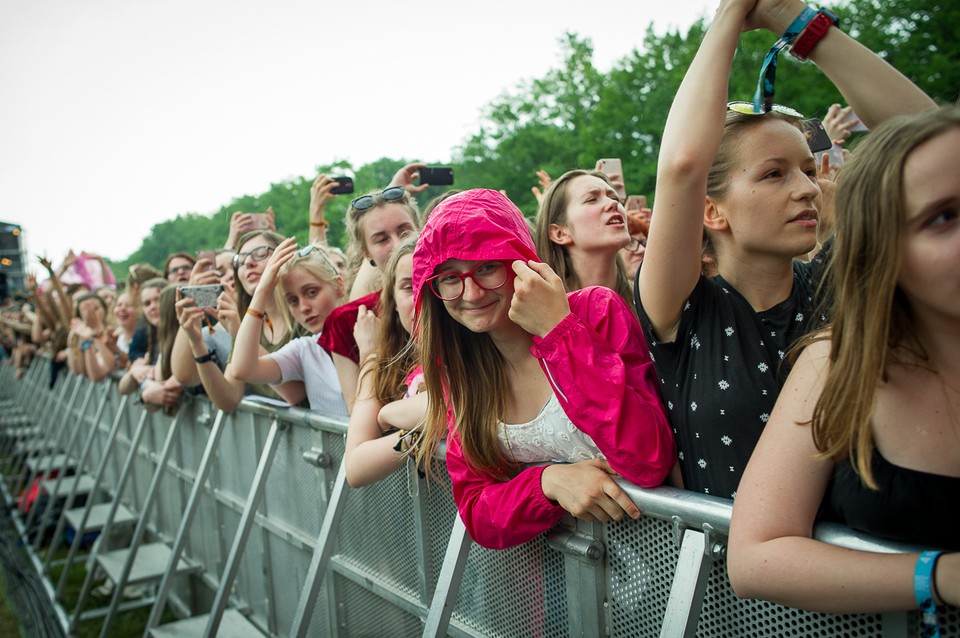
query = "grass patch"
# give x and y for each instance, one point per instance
(9, 624)
(130, 623)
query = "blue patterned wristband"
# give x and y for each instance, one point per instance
(923, 592)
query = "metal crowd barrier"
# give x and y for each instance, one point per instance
(243, 524)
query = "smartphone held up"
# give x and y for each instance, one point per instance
(203, 296)
(612, 166)
(436, 175)
(344, 185)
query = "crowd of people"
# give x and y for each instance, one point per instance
(780, 329)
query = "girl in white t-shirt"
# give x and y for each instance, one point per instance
(310, 287)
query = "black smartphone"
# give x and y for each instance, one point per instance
(344, 186)
(436, 175)
(203, 296)
(817, 138)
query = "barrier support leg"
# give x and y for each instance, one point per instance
(448, 584)
(689, 586)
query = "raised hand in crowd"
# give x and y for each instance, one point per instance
(204, 273)
(615, 176)
(406, 177)
(543, 179)
(241, 223)
(320, 196)
(839, 122)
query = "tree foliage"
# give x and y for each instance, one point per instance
(576, 114)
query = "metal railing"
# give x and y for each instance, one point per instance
(268, 538)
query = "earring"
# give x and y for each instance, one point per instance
(373, 263)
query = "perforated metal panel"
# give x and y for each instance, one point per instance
(520, 591)
(725, 614)
(365, 615)
(379, 533)
(641, 558)
(293, 493)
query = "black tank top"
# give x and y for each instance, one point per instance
(911, 506)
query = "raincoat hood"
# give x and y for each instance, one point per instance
(479, 224)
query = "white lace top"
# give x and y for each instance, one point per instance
(549, 437)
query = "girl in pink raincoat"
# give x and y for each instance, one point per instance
(529, 374)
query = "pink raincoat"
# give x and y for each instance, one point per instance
(596, 361)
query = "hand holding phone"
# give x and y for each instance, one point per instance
(261, 221)
(636, 202)
(613, 168)
(210, 256)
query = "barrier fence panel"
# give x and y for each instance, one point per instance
(278, 540)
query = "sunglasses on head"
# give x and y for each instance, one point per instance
(366, 202)
(306, 250)
(748, 108)
(817, 138)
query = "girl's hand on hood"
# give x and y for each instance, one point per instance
(539, 300)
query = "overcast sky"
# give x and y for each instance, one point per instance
(118, 114)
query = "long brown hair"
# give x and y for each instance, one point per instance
(397, 354)
(470, 372)
(553, 210)
(167, 328)
(153, 345)
(871, 323)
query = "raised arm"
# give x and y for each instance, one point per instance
(320, 196)
(62, 304)
(691, 138)
(246, 362)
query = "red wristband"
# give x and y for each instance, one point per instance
(813, 33)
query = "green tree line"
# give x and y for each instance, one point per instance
(576, 113)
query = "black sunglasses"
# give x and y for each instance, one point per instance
(309, 248)
(366, 202)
